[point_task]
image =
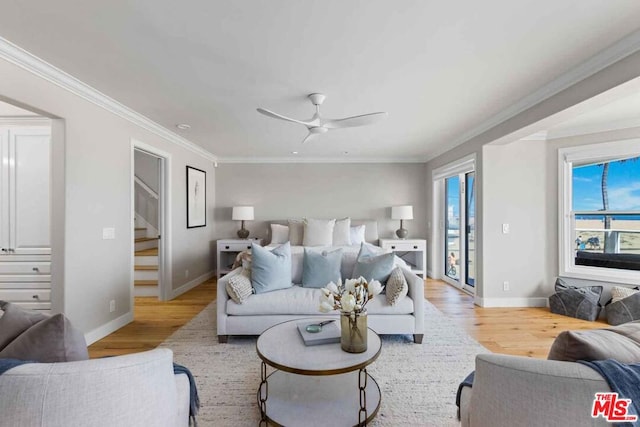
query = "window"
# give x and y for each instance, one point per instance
(600, 218)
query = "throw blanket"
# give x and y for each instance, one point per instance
(194, 400)
(6, 364)
(623, 379)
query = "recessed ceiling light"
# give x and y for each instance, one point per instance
(345, 152)
(183, 126)
(294, 152)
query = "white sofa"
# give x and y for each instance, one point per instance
(261, 311)
(133, 390)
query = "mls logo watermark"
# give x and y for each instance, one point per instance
(612, 408)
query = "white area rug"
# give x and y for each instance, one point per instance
(418, 382)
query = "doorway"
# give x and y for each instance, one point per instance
(149, 192)
(455, 211)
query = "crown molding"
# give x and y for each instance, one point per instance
(603, 59)
(623, 124)
(296, 159)
(20, 57)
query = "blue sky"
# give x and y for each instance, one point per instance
(623, 186)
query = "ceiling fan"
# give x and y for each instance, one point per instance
(318, 124)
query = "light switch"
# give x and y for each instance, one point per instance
(505, 228)
(108, 233)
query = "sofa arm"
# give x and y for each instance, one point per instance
(221, 303)
(416, 293)
(520, 391)
(184, 399)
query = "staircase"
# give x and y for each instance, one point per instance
(145, 273)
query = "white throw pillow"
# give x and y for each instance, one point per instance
(239, 288)
(341, 232)
(357, 235)
(279, 234)
(620, 292)
(296, 231)
(318, 232)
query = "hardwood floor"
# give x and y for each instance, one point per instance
(154, 321)
(517, 331)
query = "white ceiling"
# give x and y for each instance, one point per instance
(440, 69)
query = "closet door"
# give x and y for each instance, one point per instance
(29, 191)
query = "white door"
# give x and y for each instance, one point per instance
(29, 191)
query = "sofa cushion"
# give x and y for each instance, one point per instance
(396, 287)
(320, 268)
(342, 232)
(318, 232)
(15, 321)
(297, 300)
(51, 340)
(270, 270)
(239, 287)
(579, 302)
(621, 343)
(372, 266)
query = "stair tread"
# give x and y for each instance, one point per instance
(147, 252)
(145, 282)
(145, 239)
(140, 228)
(145, 267)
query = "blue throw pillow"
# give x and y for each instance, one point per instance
(318, 269)
(270, 270)
(372, 266)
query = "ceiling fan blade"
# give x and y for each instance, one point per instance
(309, 137)
(281, 117)
(349, 122)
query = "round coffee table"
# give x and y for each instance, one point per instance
(316, 385)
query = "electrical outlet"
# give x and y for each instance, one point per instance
(505, 286)
(112, 306)
(505, 228)
(186, 274)
(108, 233)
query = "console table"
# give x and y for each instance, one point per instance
(412, 251)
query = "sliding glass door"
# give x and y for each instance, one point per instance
(460, 230)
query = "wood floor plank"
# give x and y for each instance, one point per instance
(517, 331)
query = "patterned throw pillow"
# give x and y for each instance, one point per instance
(620, 292)
(239, 288)
(396, 287)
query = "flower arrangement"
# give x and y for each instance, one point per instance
(350, 297)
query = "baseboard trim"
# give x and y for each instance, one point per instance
(192, 284)
(108, 328)
(511, 302)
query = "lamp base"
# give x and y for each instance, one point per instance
(243, 233)
(402, 233)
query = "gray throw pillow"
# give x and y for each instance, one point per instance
(621, 343)
(579, 302)
(396, 287)
(372, 266)
(270, 270)
(51, 340)
(318, 269)
(15, 321)
(624, 310)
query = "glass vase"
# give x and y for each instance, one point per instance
(353, 337)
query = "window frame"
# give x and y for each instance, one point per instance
(593, 153)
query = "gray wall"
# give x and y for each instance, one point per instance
(97, 193)
(282, 191)
(146, 168)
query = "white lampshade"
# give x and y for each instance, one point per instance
(242, 213)
(402, 212)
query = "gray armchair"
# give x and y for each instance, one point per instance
(133, 390)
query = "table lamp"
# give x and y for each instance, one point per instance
(242, 213)
(402, 213)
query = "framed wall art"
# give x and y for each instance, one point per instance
(196, 197)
